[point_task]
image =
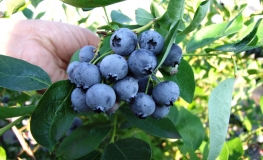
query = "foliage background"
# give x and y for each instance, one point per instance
(245, 127)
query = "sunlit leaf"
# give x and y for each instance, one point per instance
(198, 17)
(209, 34)
(219, 106)
(142, 16)
(224, 154)
(235, 148)
(117, 16)
(2, 153)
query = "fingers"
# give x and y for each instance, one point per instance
(67, 39)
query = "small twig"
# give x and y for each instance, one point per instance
(23, 143)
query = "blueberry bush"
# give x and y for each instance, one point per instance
(179, 81)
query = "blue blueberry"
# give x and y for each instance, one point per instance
(151, 40)
(174, 56)
(123, 41)
(142, 105)
(114, 67)
(100, 97)
(87, 53)
(160, 112)
(142, 62)
(126, 89)
(70, 70)
(166, 93)
(78, 100)
(86, 74)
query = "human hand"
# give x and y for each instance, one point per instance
(47, 44)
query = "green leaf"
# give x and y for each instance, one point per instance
(14, 5)
(224, 154)
(119, 17)
(28, 13)
(128, 149)
(253, 40)
(161, 128)
(90, 3)
(2, 153)
(20, 75)
(75, 56)
(53, 115)
(105, 46)
(190, 128)
(168, 42)
(156, 9)
(82, 141)
(142, 16)
(173, 115)
(261, 103)
(39, 15)
(175, 9)
(219, 105)
(198, 18)
(9, 112)
(174, 13)
(209, 34)
(94, 155)
(185, 80)
(35, 2)
(235, 148)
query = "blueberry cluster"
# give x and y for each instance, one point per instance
(125, 76)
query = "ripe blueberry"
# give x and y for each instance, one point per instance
(160, 112)
(166, 93)
(78, 100)
(142, 105)
(152, 41)
(113, 67)
(123, 41)
(174, 56)
(126, 88)
(86, 53)
(86, 74)
(70, 70)
(100, 97)
(142, 62)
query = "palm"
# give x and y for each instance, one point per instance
(48, 45)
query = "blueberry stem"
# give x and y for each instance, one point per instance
(143, 28)
(114, 127)
(102, 56)
(98, 49)
(147, 87)
(235, 66)
(108, 20)
(7, 127)
(204, 54)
